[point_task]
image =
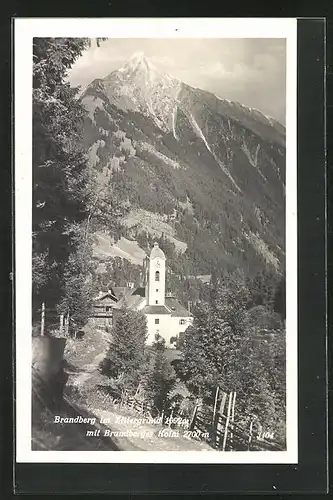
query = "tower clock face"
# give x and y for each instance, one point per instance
(158, 263)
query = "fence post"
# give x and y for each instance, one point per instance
(67, 324)
(221, 414)
(250, 435)
(227, 422)
(170, 417)
(233, 397)
(61, 327)
(214, 423)
(215, 404)
(223, 401)
(42, 323)
(192, 424)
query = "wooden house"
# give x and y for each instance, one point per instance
(104, 303)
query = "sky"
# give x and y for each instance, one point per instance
(249, 71)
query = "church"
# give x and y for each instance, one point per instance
(166, 317)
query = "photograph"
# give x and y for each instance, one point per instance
(156, 241)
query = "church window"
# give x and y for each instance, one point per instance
(157, 276)
(156, 301)
(157, 321)
(182, 321)
(156, 289)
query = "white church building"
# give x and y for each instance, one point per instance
(166, 317)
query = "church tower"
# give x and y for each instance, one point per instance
(156, 277)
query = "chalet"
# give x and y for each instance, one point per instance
(103, 308)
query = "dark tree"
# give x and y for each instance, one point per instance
(126, 357)
(280, 298)
(62, 193)
(59, 166)
(161, 378)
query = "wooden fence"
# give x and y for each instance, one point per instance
(219, 429)
(50, 316)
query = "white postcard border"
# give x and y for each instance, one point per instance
(25, 29)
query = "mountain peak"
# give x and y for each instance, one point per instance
(138, 60)
(138, 57)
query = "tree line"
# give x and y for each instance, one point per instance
(66, 201)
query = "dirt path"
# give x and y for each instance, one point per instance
(84, 356)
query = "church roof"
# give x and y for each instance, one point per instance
(155, 310)
(176, 308)
(157, 252)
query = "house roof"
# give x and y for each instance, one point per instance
(155, 310)
(133, 301)
(105, 295)
(130, 302)
(176, 308)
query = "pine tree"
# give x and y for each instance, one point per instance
(209, 347)
(280, 297)
(59, 166)
(78, 292)
(263, 288)
(126, 357)
(161, 378)
(61, 189)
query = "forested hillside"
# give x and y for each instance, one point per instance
(211, 171)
